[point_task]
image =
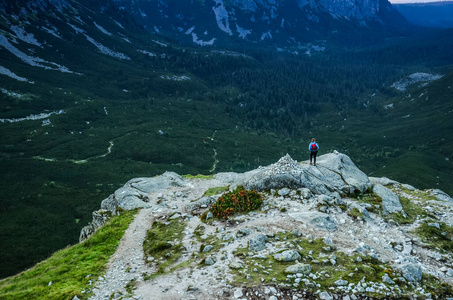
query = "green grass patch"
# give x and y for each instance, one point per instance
(374, 200)
(163, 243)
(437, 238)
(412, 211)
(355, 213)
(216, 190)
(70, 269)
(433, 286)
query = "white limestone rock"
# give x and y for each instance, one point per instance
(390, 201)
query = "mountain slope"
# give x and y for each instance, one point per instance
(89, 100)
(318, 232)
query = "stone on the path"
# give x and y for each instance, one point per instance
(287, 255)
(325, 296)
(316, 219)
(209, 261)
(258, 242)
(238, 293)
(202, 202)
(208, 248)
(341, 282)
(412, 272)
(386, 279)
(304, 269)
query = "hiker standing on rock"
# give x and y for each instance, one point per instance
(313, 148)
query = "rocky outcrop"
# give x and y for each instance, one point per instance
(134, 194)
(100, 217)
(335, 172)
(321, 232)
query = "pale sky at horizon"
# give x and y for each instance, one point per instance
(414, 1)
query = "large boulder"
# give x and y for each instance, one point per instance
(390, 201)
(335, 172)
(304, 269)
(134, 193)
(257, 243)
(158, 183)
(287, 255)
(412, 272)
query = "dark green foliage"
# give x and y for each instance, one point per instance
(237, 201)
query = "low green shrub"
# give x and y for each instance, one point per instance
(239, 200)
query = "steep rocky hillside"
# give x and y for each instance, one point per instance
(322, 232)
(283, 23)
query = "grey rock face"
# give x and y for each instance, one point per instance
(412, 272)
(390, 202)
(335, 173)
(257, 243)
(287, 255)
(316, 219)
(99, 218)
(155, 184)
(440, 195)
(350, 8)
(109, 204)
(337, 163)
(382, 181)
(131, 196)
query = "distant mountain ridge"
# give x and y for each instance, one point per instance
(434, 14)
(213, 22)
